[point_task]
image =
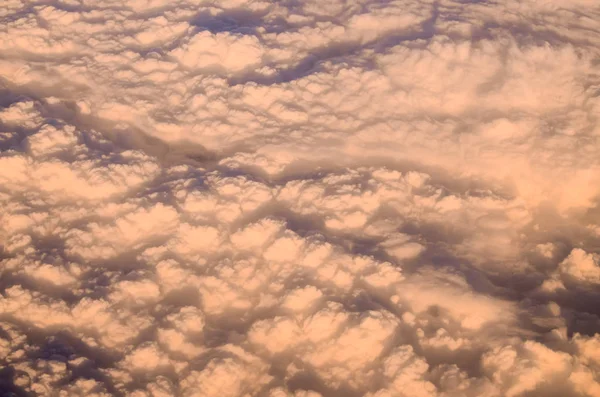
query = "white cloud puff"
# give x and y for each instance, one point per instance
(518, 370)
(581, 266)
(232, 372)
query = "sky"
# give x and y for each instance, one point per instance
(300, 198)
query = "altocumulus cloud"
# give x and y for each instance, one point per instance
(300, 198)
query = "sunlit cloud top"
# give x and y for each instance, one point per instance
(300, 198)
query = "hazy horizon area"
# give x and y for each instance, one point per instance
(300, 198)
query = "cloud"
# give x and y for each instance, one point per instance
(581, 266)
(231, 372)
(532, 366)
(240, 198)
(405, 373)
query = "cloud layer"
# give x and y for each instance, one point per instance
(300, 199)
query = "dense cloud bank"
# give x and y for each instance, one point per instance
(300, 198)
